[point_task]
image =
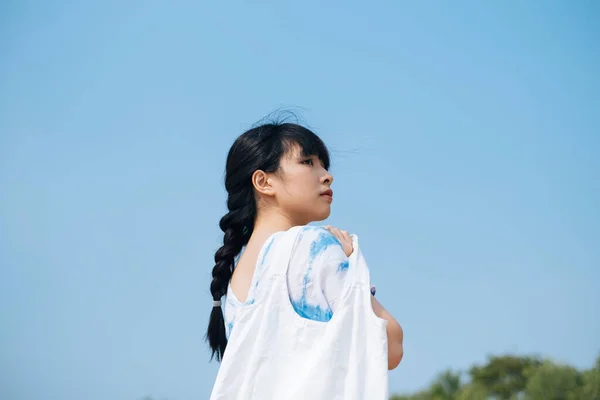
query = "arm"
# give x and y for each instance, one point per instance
(395, 334)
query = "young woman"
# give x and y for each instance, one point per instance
(295, 324)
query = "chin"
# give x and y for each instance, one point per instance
(315, 213)
(322, 216)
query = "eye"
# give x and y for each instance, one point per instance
(309, 161)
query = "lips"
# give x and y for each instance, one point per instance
(328, 192)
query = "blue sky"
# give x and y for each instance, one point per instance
(465, 141)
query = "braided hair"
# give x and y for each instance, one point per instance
(261, 148)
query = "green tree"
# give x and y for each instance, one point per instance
(446, 386)
(552, 381)
(511, 377)
(504, 377)
(591, 383)
(472, 391)
(422, 395)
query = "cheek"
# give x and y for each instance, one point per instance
(301, 188)
(301, 183)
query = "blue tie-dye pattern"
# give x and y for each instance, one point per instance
(315, 312)
(264, 256)
(343, 266)
(321, 240)
(230, 328)
(324, 240)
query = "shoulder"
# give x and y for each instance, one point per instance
(317, 237)
(317, 274)
(315, 242)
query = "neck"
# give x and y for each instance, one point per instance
(270, 222)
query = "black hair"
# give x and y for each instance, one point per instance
(261, 147)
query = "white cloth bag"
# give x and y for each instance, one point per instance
(273, 353)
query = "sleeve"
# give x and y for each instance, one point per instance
(317, 273)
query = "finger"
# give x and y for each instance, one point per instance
(336, 232)
(346, 236)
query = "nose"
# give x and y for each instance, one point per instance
(327, 178)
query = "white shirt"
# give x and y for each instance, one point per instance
(316, 275)
(338, 352)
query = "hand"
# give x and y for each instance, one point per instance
(343, 237)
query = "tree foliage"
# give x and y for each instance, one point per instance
(504, 376)
(510, 377)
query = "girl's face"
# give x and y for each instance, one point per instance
(302, 188)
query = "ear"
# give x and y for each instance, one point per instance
(262, 182)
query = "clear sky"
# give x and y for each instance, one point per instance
(465, 140)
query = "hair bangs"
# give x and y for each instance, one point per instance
(307, 141)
